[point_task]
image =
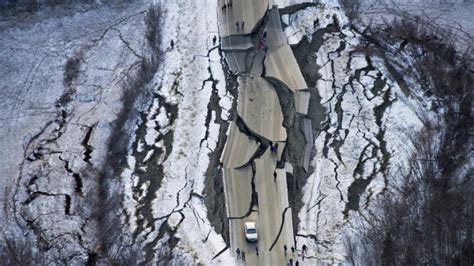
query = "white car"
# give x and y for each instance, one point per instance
(250, 230)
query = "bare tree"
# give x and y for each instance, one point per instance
(431, 203)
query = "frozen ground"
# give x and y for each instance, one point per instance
(33, 59)
(172, 195)
(57, 125)
(363, 137)
(453, 16)
(63, 77)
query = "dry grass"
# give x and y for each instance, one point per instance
(18, 252)
(114, 241)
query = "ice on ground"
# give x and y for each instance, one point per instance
(56, 128)
(368, 119)
(453, 16)
(56, 144)
(188, 76)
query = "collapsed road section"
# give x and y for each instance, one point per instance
(255, 177)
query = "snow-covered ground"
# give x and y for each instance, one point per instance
(185, 79)
(368, 119)
(54, 138)
(52, 129)
(47, 143)
(453, 16)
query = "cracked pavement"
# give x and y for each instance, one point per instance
(192, 161)
(257, 191)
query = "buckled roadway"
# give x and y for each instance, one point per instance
(259, 111)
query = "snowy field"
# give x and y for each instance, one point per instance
(63, 76)
(368, 119)
(454, 16)
(189, 75)
(54, 130)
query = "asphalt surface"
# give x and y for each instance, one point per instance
(248, 11)
(259, 110)
(280, 64)
(259, 107)
(239, 148)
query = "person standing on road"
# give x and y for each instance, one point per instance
(172, 44)
(243, 255)
(275, 179)
(305, 248)
(293, 250)
(237, 25)
(284, 249)
(242, 24)
(214, 40)
(271, 146)
(238, 253)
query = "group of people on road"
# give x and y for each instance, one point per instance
(302, 254)
(227, 5)
(273, 148)
(240, 254)
(240, 25)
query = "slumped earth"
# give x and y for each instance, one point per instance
(118, 147)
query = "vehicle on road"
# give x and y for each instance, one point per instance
(250, 230)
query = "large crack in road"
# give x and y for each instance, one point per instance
(292, 124)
